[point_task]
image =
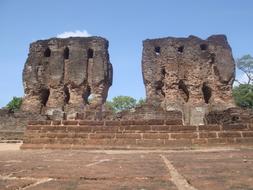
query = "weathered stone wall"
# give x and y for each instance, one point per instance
(17, 121)
(230, 116)
(191, 75)
(13, 124)
(62, 75)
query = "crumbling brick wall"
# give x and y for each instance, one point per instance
(192, 75)
(66, 75)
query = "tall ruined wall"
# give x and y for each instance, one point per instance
(66, 75)
(192, 75)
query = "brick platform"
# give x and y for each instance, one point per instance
(129, 134)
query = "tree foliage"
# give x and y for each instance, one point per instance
(243, 95)
(120, 103)
(245, 64)
(14, 104)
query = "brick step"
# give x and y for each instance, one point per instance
(143, 133)
(138, 128)
(137, 143)
(139, 135)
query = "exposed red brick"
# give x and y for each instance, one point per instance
(217, 141)
(58, 146)
(139, 122)
(105, 129)
(112, 123)
(41, 140)
(161, 128)
(229, 134)
(56, 122)
(54, 135)
(101, 135)
(235, 127)
(250, 125)
(209, 128)
(183, 135)
(129, 135)
(199, 141)
(247, 133)
(178, 142)
(207, 134)
(53, 128)
(107, 141)
(183, 128)
(32, 146)
(155, 136)
(70, 122)
(91, 122)
(247, 140)
(63, 141)
(81, 135)
(150, 142)
(127, 122)
(136, 128)
(80, 128)
(34, 127)
(47, 122)
(155, 122)
(173, 122)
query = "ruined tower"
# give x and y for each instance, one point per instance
(66, 75)
(192, 75)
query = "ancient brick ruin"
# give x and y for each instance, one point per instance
(188, 85)
(191, 75)
(66, 76)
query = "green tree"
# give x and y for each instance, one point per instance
(141, 102)
(245, 64)
(120, 103)
(243, 95)
(14, 104)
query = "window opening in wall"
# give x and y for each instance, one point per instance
(66, 53)
(66, 95)
(212, 56)
(157, 50)
(87, 95)
(163, 72)
(203, 47)
(183, 88)
(207, 92)
(47, 52)
(180, 49)
(90, 53)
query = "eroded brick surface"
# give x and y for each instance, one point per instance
(219, 169)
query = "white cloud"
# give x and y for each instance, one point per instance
(76, 33)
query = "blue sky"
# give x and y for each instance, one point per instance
(124, 23)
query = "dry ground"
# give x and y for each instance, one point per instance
(203, 169)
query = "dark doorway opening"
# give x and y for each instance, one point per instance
(86, 95)
(184, 90)
(207, 92)
(66, 95)
(44, 95)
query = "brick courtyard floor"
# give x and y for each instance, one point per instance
(202, 169)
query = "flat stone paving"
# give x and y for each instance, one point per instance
(203, 169)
